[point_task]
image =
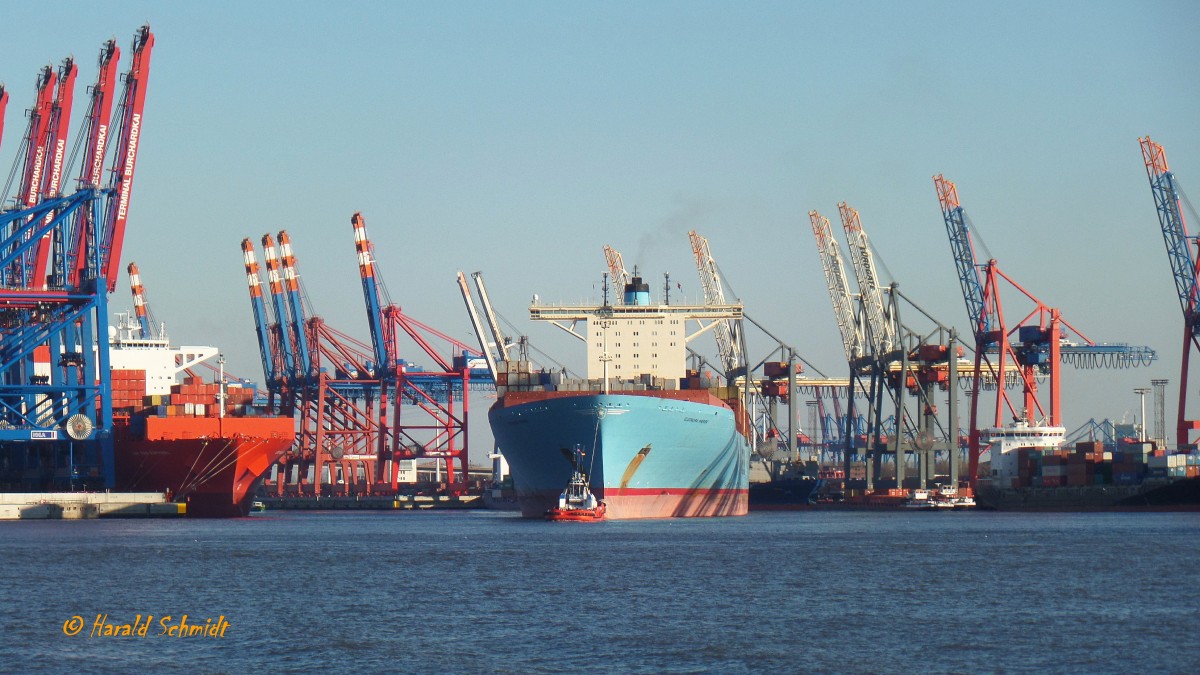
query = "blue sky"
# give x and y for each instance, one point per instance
(520, 138)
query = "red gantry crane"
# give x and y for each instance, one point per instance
(1182, 249)
(1034, 346)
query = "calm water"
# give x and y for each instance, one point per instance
(467, 592)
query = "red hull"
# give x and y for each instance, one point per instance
(211, 464)
(579, 515)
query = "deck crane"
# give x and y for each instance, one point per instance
(616, 267)
(133, 102)
(1183, 260)
(728, 333)
(503, 343)
(495, 351)
(1036, 345)
(489, 354)
(91, 170)
(141, 310)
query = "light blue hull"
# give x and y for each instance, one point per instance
(646, 456)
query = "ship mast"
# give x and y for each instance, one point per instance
(605, 357)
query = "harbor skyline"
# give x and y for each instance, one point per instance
(471, 134)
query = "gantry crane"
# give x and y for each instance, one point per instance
(860, 355)
(55, 251)
(1183, 261)
(321, 376)
(1036, 345)
(443, 433)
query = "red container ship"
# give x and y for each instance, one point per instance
(204, 443)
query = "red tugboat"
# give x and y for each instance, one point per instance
(577, 502)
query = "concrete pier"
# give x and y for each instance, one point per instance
(374, 502)
(87, 505)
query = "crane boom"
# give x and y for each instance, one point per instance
(140, 311)
(291, 287)
(726, 332)
(839, 286)
(1174, 229)
(883, 333)
(3, 108)
(384, 358)
(132, 104)
(258, 308)
(29, 190)
(17, 273)
(963, 250)
(477, 324)
(91, 171)
(502, 343)
(58, 130)
(616, 266)
(282, 325)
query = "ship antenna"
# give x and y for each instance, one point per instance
(666, 288)
(605, 287)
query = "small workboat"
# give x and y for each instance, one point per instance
(577, 501)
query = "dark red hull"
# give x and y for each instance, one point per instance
(211, 464)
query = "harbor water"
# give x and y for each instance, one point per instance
(482, 591)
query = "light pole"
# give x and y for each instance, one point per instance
(1142, 391)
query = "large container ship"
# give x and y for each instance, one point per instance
(652, 441)
(1032, 470)
(204, 443)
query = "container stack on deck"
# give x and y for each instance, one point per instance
(1089, 464)
(192, 398)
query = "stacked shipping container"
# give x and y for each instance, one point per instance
(193, 398)
(1089, 464)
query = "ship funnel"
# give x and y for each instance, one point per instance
(637, 292)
